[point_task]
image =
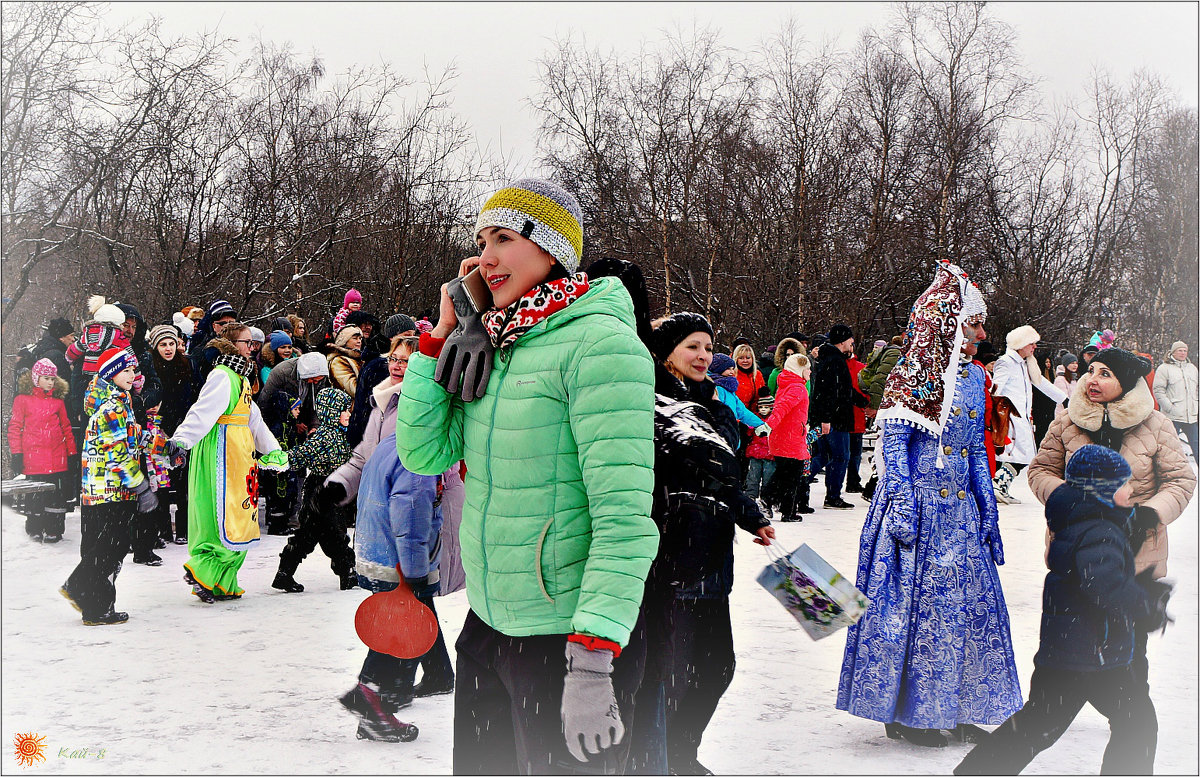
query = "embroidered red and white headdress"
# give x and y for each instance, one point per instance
(920, 388)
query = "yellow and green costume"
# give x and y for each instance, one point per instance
(223, 430)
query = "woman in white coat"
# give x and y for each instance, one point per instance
(1015, 376)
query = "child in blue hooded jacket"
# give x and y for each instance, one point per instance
(399, 524)
(1093, 611)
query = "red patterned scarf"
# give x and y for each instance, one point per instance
(506, 325)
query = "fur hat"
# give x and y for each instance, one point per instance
(1128, 367)
(673, 330)
(278, 338)
(104, 313)
(541, 211)
(797, 363)
(720, 363)
(351, 296)
(114, 360)
(312, 365)
(1098, 471)
(1021, 337)
(344, 334)
(839, 333)
(44, 367)
(60, 327)
(160, 333)
(397, 324)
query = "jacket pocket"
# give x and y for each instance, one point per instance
(537, 559)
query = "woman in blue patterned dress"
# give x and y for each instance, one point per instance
(933, 651)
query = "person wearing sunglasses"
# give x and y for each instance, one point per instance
(220, 435)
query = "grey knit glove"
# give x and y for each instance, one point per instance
(591, 719)
(465, 363)
(147, 500)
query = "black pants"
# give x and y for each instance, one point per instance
(175, 494)
(143, 532)
(853, 479)
(1190, 432)
(103, 543)
(508, 704)
(317, 527)
(46, 513)
(788, 487)
(280, 492)
(1055, 698)
(703, 665)
(392, 674)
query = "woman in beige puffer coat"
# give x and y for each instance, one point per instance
(1104, 411)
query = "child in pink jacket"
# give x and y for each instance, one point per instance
(40, 440)
(787, 428)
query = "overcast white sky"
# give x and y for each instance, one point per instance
(494, 45)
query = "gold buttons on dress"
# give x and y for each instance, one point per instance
(965, 372)
(947, 449)
(945, 492)
(957, 411)
(973, 413)
(964, 453)
(962, 494)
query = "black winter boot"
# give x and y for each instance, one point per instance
(285, 582)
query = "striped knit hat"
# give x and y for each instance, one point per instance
(162, 332)
(543, 212)
(114, 360)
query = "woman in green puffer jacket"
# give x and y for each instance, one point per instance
(556, 532)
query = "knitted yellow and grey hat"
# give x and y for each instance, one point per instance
(542, 211)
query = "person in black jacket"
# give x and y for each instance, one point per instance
(1094, 610)
(698, 500)
(175, 373)
(219, 313)
(53, 346)
(832, 406)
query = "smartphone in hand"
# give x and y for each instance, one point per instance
(477, 291)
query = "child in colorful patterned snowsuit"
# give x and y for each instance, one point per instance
(114, 489)
(324, 451)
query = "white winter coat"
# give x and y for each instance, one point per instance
(1175, 388)
(1011, 378)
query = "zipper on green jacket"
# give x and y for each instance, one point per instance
(487, 502)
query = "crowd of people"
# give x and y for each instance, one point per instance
(581, 470)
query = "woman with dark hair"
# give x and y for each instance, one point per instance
(175, 373)
(701, 634)
(1111, 405)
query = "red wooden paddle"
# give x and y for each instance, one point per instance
(396, 623)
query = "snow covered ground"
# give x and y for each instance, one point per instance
(250, 686)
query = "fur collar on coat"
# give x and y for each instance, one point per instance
(1125, 412)
(25, 386)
